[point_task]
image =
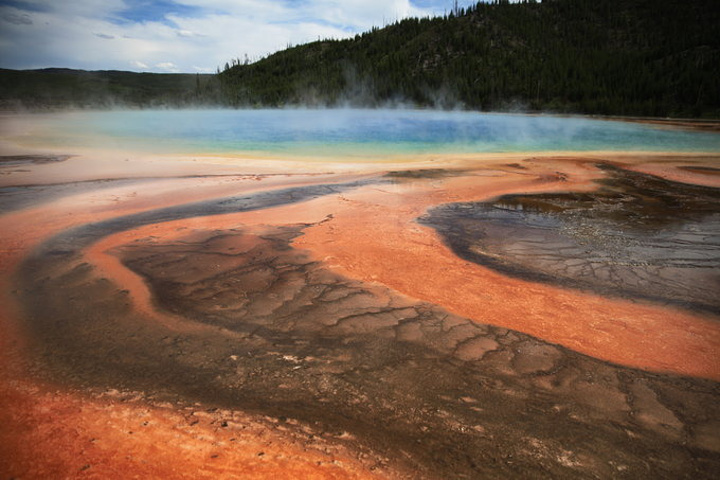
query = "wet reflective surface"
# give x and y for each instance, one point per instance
(348, 133)
(214, 317)
(254, 324)
(636, 236)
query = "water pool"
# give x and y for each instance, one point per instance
(353, 133)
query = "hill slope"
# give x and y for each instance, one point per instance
(63, 88)
(637, 57)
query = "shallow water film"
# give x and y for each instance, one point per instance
(635, 236)
(515, 315)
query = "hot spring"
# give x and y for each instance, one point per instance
(348, 133)
(447, 294)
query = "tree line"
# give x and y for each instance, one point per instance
(58, 88)
(637, 57)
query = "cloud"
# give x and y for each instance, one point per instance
(167, 67)
(17, 18)
(181, 35)
(189, 34)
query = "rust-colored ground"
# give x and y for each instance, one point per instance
(48, 431)
(374, 236)
(368, 234)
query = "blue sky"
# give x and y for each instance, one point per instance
(182, 35)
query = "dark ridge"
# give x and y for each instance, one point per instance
(424, 173)
(17, 197)
(700, 169)
(76, 239)
(15, 160)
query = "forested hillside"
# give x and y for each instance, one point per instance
(65, 88)
(634, 57)
(630, 57)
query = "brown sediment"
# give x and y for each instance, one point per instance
(701, 173)
(354, 277)
(635, 236)
(701, 169)
(371, 239)
(50, 432)
(14, 160)
(361, 354)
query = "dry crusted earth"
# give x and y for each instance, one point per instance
(241, 327)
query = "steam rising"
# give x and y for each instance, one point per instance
(349, 132)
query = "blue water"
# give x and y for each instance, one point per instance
(351, 133)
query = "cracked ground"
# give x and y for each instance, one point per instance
(223, 319)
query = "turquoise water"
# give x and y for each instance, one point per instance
(301, 132)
